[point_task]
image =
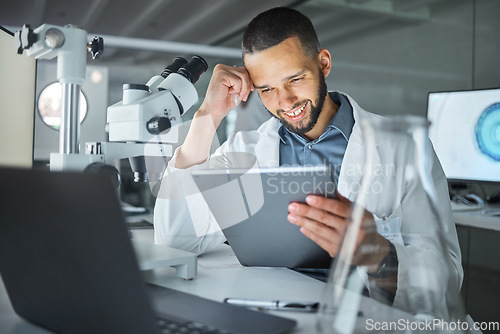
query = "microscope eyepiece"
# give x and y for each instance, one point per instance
(192, 70)
(174, 67)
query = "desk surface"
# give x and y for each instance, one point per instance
(486, 218)
(220, 276)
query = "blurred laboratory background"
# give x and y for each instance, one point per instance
(387, 54)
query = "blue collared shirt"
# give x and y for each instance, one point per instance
(328, 149)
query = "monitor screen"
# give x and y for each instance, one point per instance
(17, 103)
(465, 132)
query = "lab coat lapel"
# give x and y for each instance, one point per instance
(268, 146)
(353, 164)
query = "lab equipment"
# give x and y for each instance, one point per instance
(142, 125)
(431, 286)
(69, 45)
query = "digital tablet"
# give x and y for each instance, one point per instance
(251, 208)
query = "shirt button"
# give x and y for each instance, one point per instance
(310, 146)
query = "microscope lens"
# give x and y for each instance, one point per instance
(174, 67)
(192, 70)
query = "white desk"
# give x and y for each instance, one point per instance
(220, 276)
(486, 218)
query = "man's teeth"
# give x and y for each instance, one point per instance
(298, 111)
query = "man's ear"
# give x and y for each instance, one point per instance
(325, 61)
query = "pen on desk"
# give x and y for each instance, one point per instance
(276, 305)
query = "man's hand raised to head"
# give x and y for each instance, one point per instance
(226, 85)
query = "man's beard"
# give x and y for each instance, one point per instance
(316, 108)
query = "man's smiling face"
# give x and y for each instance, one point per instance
(291, 84)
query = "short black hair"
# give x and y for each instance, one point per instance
(275, 25)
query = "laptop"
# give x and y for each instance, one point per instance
(251, 208)
(68, 265)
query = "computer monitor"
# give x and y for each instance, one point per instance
(465, 132)
(17, 103)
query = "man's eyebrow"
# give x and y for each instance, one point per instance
(293, 76)
(284, 80)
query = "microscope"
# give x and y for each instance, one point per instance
(143, 124)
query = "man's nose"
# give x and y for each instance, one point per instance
(287, 99)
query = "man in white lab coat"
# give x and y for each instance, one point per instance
(285, 65)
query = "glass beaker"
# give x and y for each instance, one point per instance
(408, 281)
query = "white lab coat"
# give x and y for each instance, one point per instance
(183, 220)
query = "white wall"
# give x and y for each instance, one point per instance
(17, 100)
